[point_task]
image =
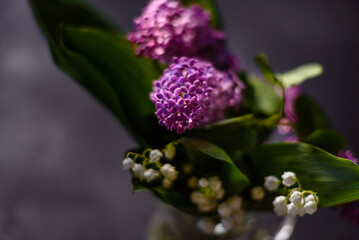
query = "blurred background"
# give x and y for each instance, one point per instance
(60, 151)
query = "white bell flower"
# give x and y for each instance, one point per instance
(155, 155)
(203, 182)
(151, 174)
(219, 229)
(138, 171)
(302, 210)
(215, 183)
(310, 207)
(292, 209)
(169, 172)
(271, 183)
(312, 198)
(288, 178)
(128, 163)
(280, 205)
(296, 197)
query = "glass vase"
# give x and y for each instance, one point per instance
(168, 223)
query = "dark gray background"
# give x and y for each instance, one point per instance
(61, 151)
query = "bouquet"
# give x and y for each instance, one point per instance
(214, 141)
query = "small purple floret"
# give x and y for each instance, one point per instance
(167, 29)
(193, 93)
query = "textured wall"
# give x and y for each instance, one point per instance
(61, 151)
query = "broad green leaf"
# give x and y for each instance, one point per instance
(129, 77)
(211, 6)
(336, 180)
(233, 121)
(79, 37)
(310, 116)
(300, 74)
(326, 139)
(260, 97)
(216, 152)
(241, 132)
(263, 64)
(52, 15)
(206, 148)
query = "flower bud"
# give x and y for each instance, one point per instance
(166, 183)
(271, 183)
(170, 152)
(257, 193)
(288, 178)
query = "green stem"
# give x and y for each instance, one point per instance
(300, 186)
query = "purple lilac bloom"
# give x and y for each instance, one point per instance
(349, 211)
(167, 29)
(193, 93)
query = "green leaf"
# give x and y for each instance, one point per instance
(326, 139)
(260, 97)
(211, 6)
(216, 152)
(241, 132)
(87, 47)
(310, 117)
(300, 74)
(336, 180)
(263, 64)
(129, 77)
(52, 15)
(206, 148)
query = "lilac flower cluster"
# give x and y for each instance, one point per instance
(192, 93)
(167, 29)
(349, 211)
